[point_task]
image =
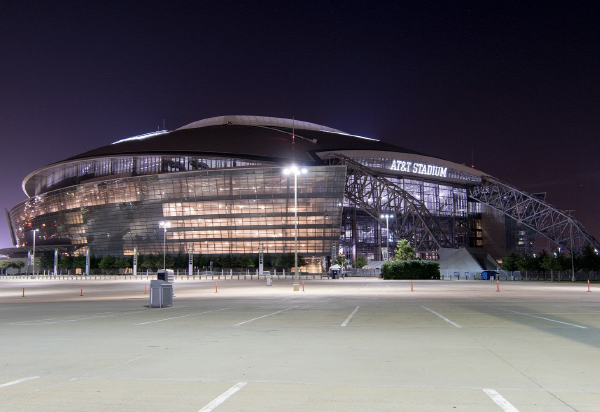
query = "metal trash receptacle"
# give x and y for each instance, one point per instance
(167, 275)
(334, 274)
(161, 294)
(269, 280)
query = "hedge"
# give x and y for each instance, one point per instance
(411, 269)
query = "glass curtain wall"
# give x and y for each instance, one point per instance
(227, 211)
(362, 234)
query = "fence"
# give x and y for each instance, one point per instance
(179, 275)
(565, 275)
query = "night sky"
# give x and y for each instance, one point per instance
(516, 85)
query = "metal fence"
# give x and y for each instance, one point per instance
(179, 275)
(565, 275)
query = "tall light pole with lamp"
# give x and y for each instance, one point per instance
(165, 225)
(572, 254)
(387, 234)
(33, 255)
(295, 170)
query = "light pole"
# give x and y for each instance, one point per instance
(33, 256)
(387, 234)
(295, 170)
(571, 236)
(165, 225)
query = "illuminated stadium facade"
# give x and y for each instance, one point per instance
(219, 185)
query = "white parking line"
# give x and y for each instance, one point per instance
(446, 319)
(179, 317)
(350, 317)
(264, 316)
(223, 397)
(503, 403)
(540, 317)
(18, 381)
(76, 318)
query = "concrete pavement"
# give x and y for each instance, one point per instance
(445, 346)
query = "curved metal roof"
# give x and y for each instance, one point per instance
(256, 138)
(258, 121)
(249, 137)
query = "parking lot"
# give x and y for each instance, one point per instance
(339, 345)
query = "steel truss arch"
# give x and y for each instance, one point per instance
(550, 222)
(376, 194)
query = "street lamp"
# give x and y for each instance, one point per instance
(387, 231)
(33, 256)
(165, 225)
(571, 236)
(295, 170)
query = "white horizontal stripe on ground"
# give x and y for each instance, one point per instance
(264, 316)
(77, 318)
(350, 317)
(446, 319)
(223, 397)
(541, 317)
(500, 401)
(18, 381)
(179, 317)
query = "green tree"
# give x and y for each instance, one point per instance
(589, 259)
(124, 262)
(66, 262)
(12, 264)
(18, 265)
(47, 261)
(404, 251)
(286, 261)
(550, 262)
(511, 262)
(180, 261)
(150, 262)
(247, 261)
(361, 261)
(529, 263)
(201, 261)
(564, 261)
(107, 262)
(168, 261)
(226, 261)
(340, 260)
(79, 262)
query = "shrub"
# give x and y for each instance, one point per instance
(411, 269)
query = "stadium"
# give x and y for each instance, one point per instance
(217, 186)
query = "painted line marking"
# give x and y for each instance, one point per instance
(264, 316)
(500, 401)
(446, 319)
(75, 378)
(350, 317)
(541, 317)
(179, 317)
(223, 397)
(18, 381)
(77, 318)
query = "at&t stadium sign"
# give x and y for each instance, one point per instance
(419, 168)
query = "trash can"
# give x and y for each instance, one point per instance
(167, 275)
(161, 294)
(269, 280)
(335, 274)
